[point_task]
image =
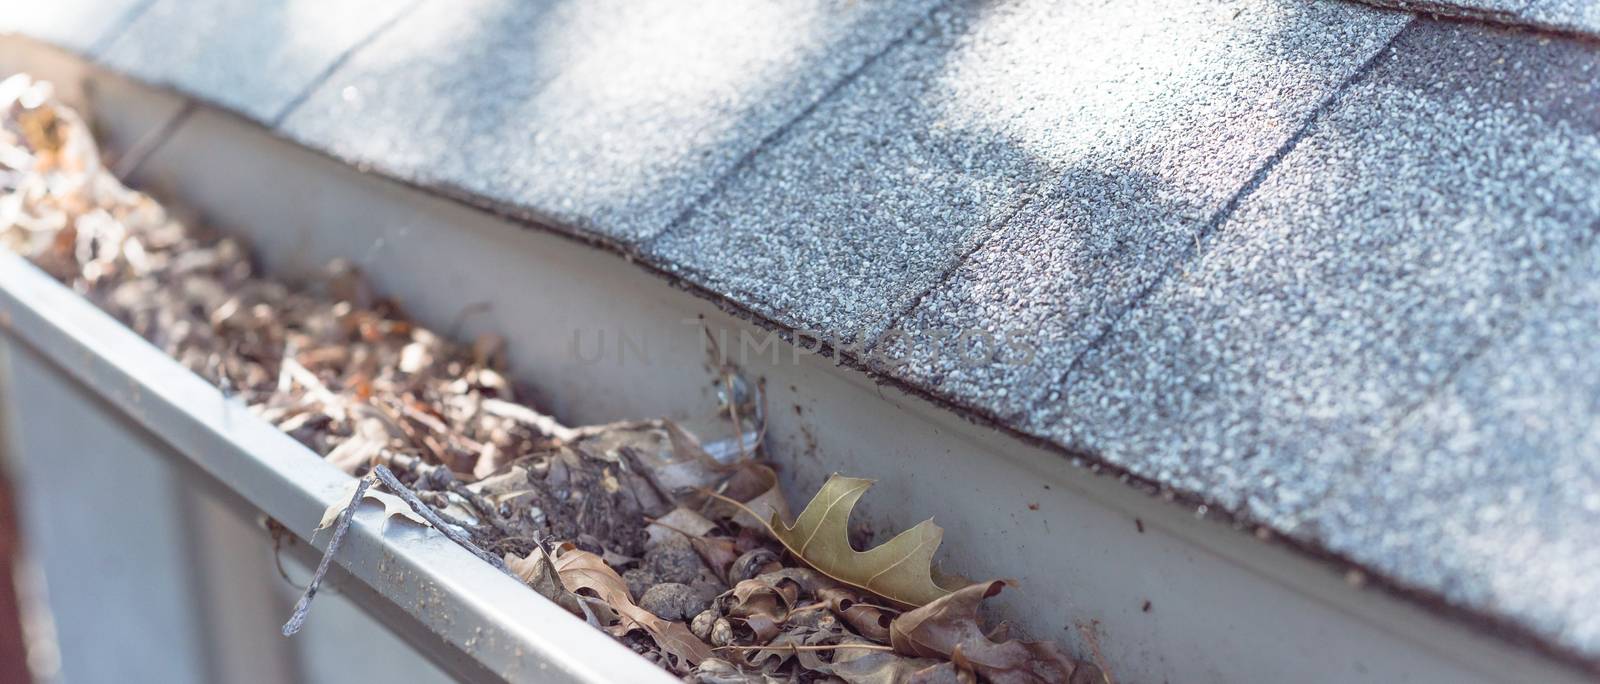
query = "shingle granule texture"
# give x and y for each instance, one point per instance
(610, 116)
(1575, 16)
(253, 57)
(1411, 229)
(1501, 475)
(1134, 118)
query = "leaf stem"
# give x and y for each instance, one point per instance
(388, 479)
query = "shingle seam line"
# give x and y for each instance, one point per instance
(1202, 239)
(152, 142)
(124, 22)
(1508, 326)
(768, 140)
(988, 234)
(338, 63)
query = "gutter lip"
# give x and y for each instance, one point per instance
(510, 631)
(1503, 628)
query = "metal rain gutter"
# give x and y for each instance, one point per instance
(482, 620)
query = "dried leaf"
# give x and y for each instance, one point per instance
(718, 552)
(900, 569)
(538, 570)
(868, 620)
(719, 671)
(864, 666)
(580, 570)
(678, 522)
(756, 486)
(392, 506)
(948, 628)
(685, 469)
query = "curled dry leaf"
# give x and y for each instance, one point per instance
(538, 570)
(581, 570)
(857, 611)
(756, 486)
(392, 506)
(867, 666)
(765, 602)
(900, 569)
(948, 628)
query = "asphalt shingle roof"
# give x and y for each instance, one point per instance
(611, 116)
(1327, 267)
(1421, 217)
(891, 181)
(254, 57)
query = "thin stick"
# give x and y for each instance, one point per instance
(297, 619)
(543, 424)
(393, 483)
(796, 647)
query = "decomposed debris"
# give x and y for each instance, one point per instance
(691, 561)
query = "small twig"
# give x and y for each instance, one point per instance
(417, 438)
(297, 619)
(485, 508)
(315, 388)
(541, 423)
(388, 479)
(797, 647)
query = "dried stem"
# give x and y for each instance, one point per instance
(297, 619)
(388, 479)
(797, 647)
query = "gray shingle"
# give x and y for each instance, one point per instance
(76, 25)
(1502, 497)
(1579, 16)
(1409, 229)
(254, 57)
(1582, 16)
(610, 116)
(1131, 139)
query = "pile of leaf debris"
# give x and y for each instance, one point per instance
(685, 557)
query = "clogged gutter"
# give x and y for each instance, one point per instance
(688, 558)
